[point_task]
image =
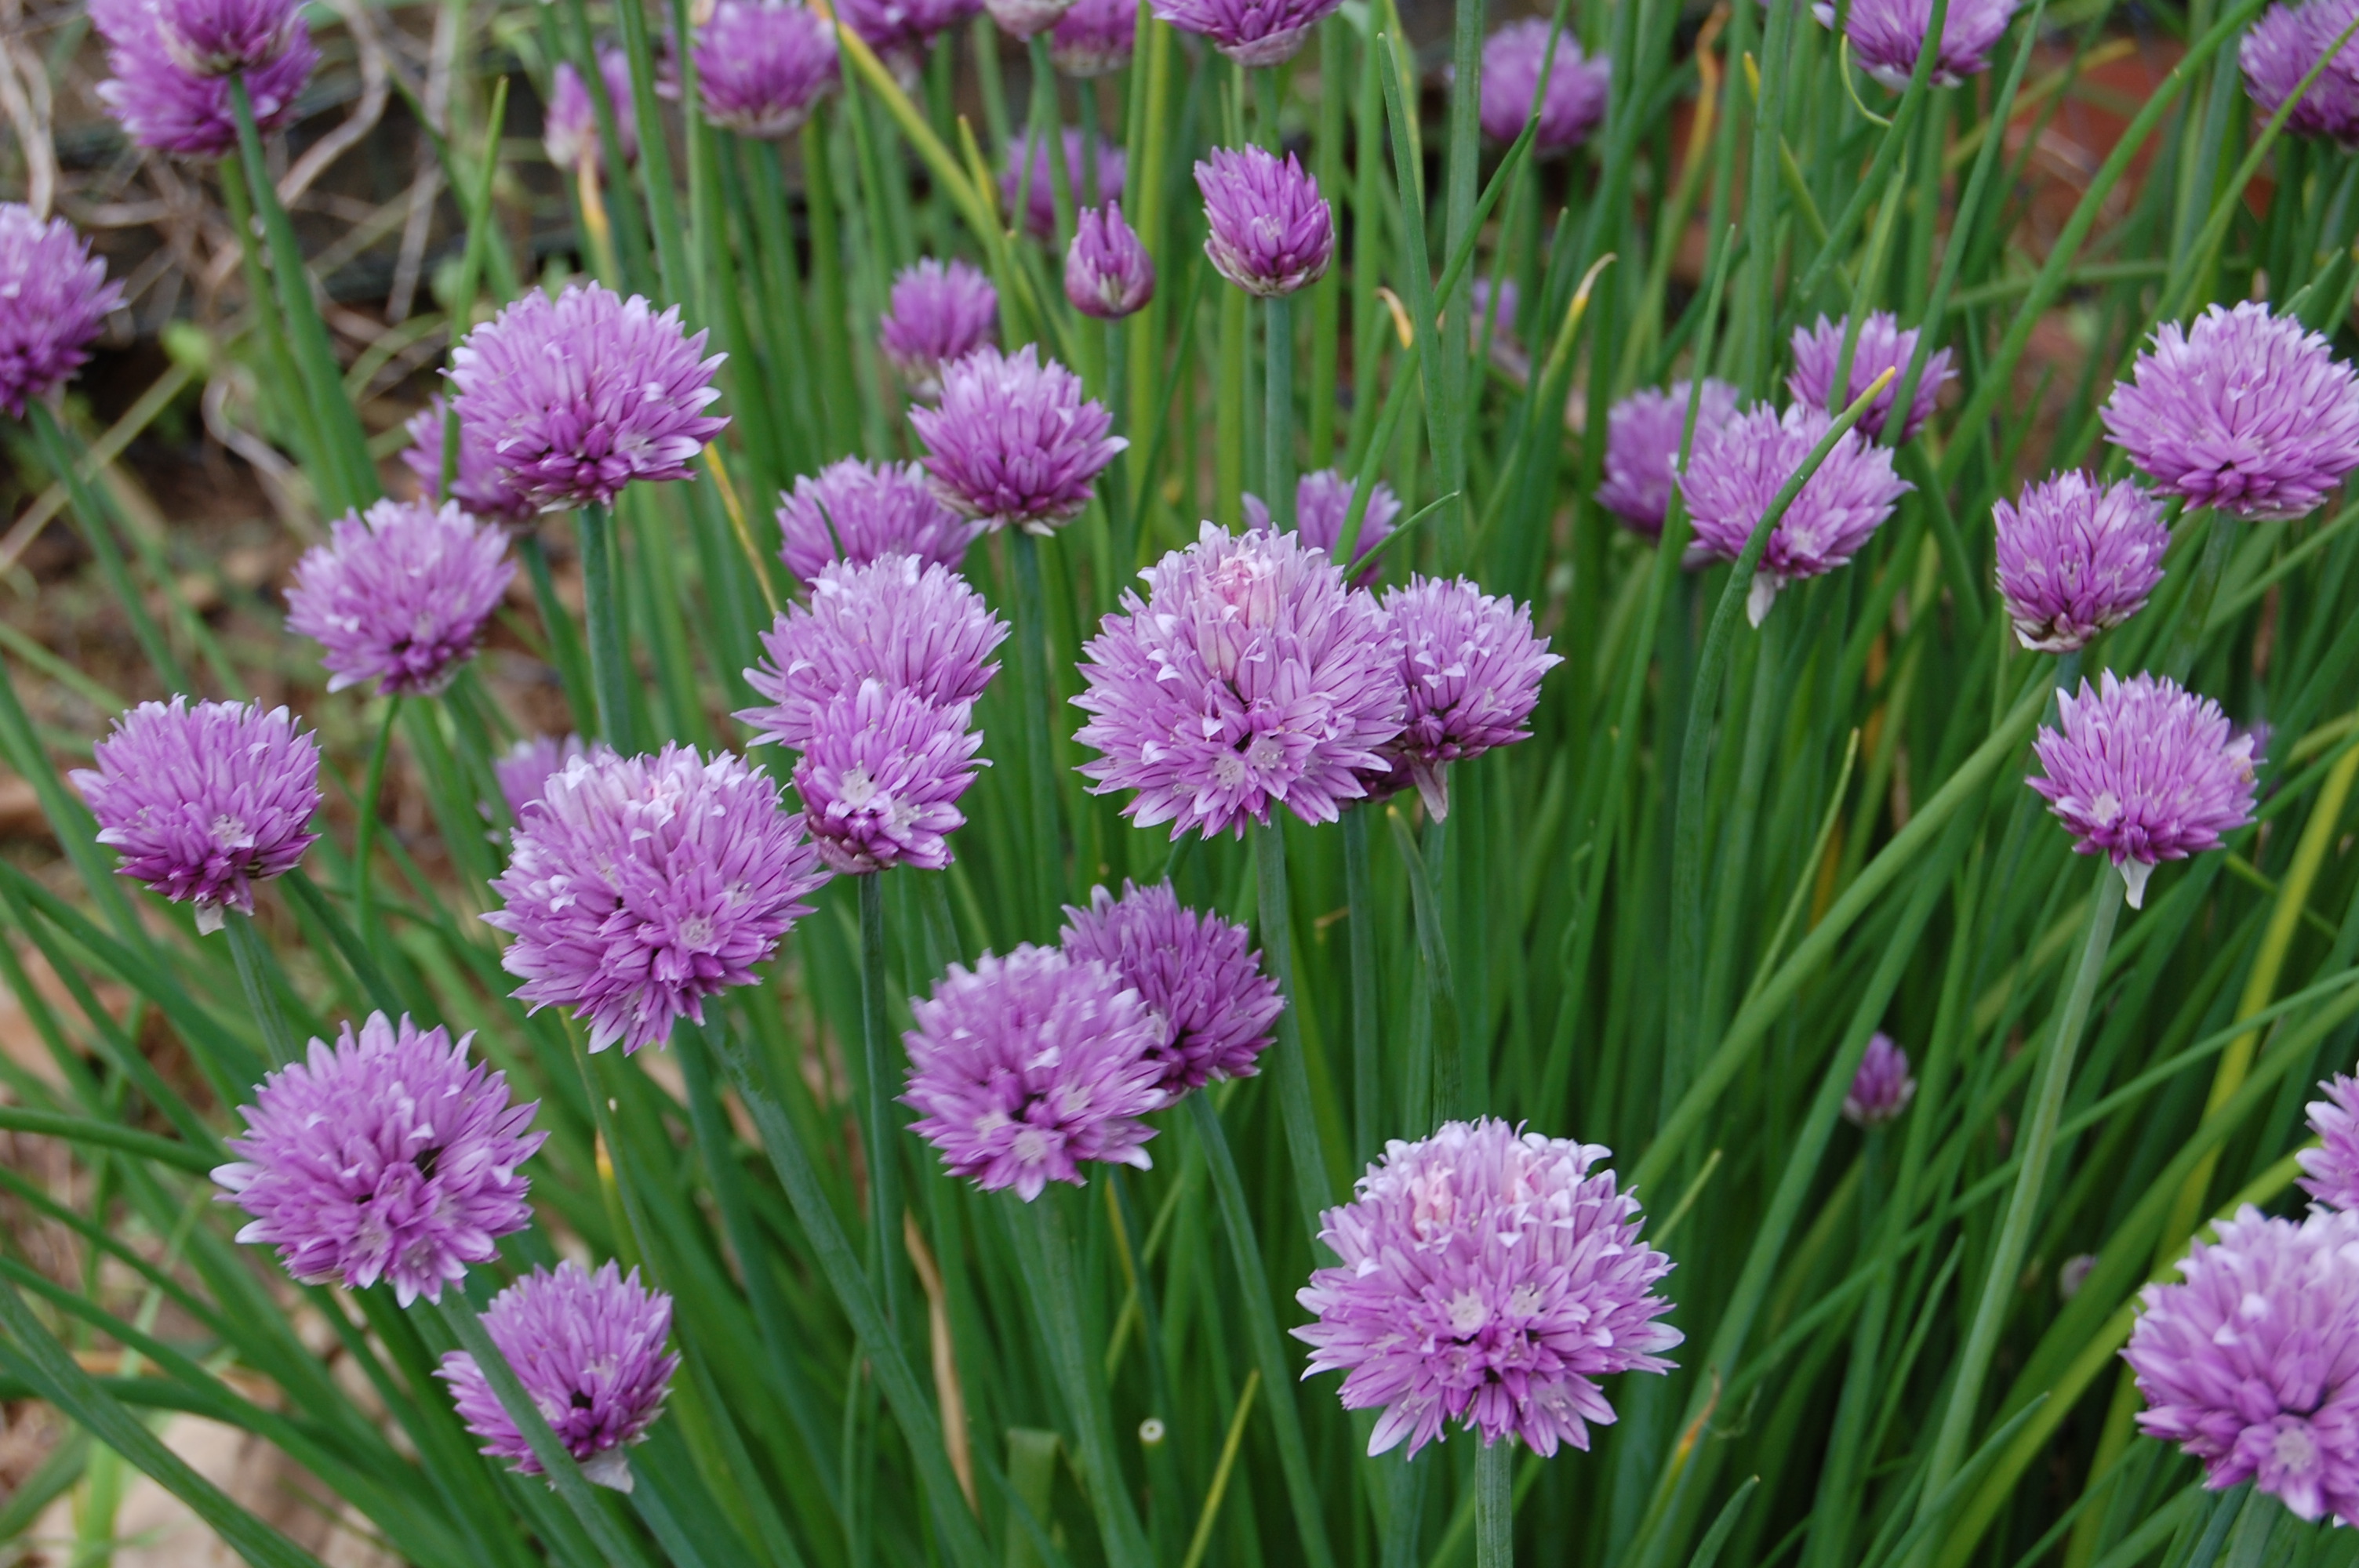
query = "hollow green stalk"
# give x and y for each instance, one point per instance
(1305, 1149)
(100, 534)
(255, 969)
(1278, 412)
(1368, 1035)
(1999, 1282)
(884, 1143)
(610, 670)
(1495, 1505)
(365, 829)
(1048, 855)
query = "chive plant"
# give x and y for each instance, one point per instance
(1749, 978)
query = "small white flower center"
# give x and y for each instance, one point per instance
(696, 930)
(1467, 1313)
(2294, 1449)
(857, 788)
(230, 833)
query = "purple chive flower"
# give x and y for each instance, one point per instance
(399, 595)
(1023, 18)
(481, 486)
(1108, 273)
(1322, 503)
(390, 1156)
(1573, 103)
(2333, 1167)
(1271, 233)
(761, 65)
(588, 1349)
(1882, 1088)
(1643, 433)
(2251, 1363)
(938, 312)
(1095, 38)
(921, 628)
(1013, 443)
(1025, 1066)
(2279, 50)
(525, 769)
(2144, 771)
(575, 398)
(1251, 32)
(569, 125)
(1250, 676)
(2244, 411)
(1886, 36)
(1731, 480)
(1199, 975)
(225, 38)
(205, 802)
(1472, 670)
(641, 885)
(1040, 195)
(858, 512)
(1488, 1277)
(162, 105)
(880, 777)
(1882, 346)
(902, 31)
(2076, 558)
(54, 295)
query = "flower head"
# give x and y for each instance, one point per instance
(388, 1156)
(1025, 1066)
(1882, 1088)
(205, 802)
(525, 769)
(1643, 433)
(569, 125)
(918, 627)
(54, 295)
(481, 485)
(1250, 32)
(641, 885)
(2279, 50)
(225, 37)
(1023, 18)
(1095, 38)
(1488, 1277)
(1886, 36)
(1013, 443)
(1198, 974)
(938, 312)
(1471, 667)
(1572, 103)
(1250, 676)
(2246, 411)
(2333, 1166)
(880, 777)
(1732, 478)
(575, 398)
(2076, 558)
(1881, 346)
(2251, 1362)
(1322, 504)
(588, 1349)
(859, 512)
(399, 594)
(1271, 232)
(161, 104)
(761, 65)
(2144, 771)
(1038, 189)
(1108, 273)
(902, 31)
